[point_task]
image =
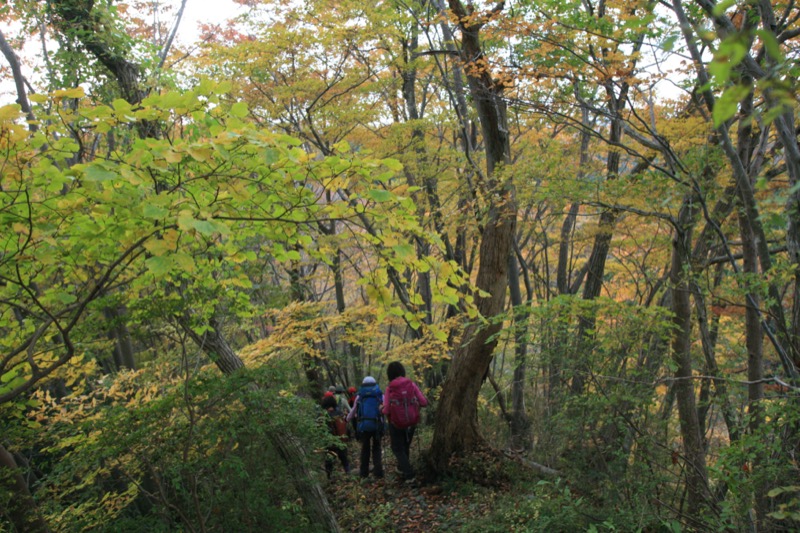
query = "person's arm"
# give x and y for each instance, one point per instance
(352, 412)
(384, 395)
(423, 401)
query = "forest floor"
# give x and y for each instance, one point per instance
(465, 501)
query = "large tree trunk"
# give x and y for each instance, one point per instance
(22, 511)
(456, 428)
(691, 432)
(597, 259)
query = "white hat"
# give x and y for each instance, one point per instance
(369, 380)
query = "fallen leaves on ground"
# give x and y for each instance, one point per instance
(389, 505)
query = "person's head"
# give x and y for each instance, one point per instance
(331, 389)
(328, 402)
(351, 390)
(369, 381)
(395, 370)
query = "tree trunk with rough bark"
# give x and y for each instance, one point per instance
(456, 429)
(22, 511)
(691, 432)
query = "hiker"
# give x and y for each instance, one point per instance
(341, 399)
(403, 401)
(352, 430)
(351, 396)
(337, 426)
(367, 411)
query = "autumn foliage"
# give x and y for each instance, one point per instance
(576, 224)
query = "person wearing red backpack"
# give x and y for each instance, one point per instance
(337, 426)
(402, 402)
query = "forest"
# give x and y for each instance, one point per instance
(575, 223)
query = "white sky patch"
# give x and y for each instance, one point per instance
(196, 13)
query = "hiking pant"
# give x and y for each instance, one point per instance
(330, 458)
(371, 445)
(401, 448)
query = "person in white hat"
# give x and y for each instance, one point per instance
(367, 410)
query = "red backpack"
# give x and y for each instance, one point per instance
(337, 423)
(403, 404)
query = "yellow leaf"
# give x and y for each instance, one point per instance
(172, 157)
(77, 92)
(201, 153)
(9, 112)
(157, 248)
(185, 261)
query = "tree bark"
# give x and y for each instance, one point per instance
(456, 429)
(22, 512)
(520, 424)
(19, 81)
(691, 432)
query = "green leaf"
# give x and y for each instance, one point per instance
(723, 6)
(66, 298)
(404, 251)
(13, 384)
(730, 53)
(342, 147)
(271, 156)
(8, 376)
(380, 195)
(97, 173)
(204, 227)
(771, 44)
(727, 104)
(121, 106)
(780, 490)
(393, 164)
(223, 87)
(720, 70)
(154, 211)
(279, 252)
(159, 265)
(669, 43)
(239, 110)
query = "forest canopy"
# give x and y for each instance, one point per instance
(574, 223)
